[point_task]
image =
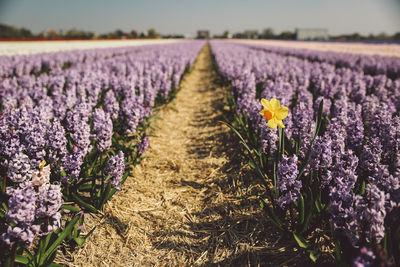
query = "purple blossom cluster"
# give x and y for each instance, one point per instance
(103, 129)
(58, 109)
(358, 145)
(28, 203)
(287, 182)
(115, 168)
(365, 259)
(144, 144)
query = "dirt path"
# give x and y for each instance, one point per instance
(189, 204)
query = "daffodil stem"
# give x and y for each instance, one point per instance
(281, 134)
(4, 183)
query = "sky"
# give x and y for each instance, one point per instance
(187, 16)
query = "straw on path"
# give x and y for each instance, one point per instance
(187, 205)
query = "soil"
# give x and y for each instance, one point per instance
(194, 202)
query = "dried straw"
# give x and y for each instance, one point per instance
(193, 203)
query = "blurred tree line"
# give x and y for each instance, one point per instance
(269, 33)
(11, 32)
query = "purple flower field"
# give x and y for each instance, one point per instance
(321, 130)
(335, 166)
(72, 124)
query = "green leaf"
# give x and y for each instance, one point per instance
(301, 201)
(262, 204)
(251, 164)
(319, 119)
(21, 259)
(300, 240)
(70, 208)
(83, 204)
(4, 205)
(60, 238)
(153, 127)
(313, 256)
(271, 214)
(29, 254)
(338, 252)
(309, 211)
(85, 187)
(363, 188)
(91, 232)
(79, 240)
(318, 205)
(104, 196)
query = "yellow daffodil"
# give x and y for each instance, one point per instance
(41, 164)
(273, 112)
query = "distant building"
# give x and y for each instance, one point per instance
(50, 33)
(203, 34)
(312, 34)
(250, 34)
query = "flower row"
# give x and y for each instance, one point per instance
(71, 131)
(368, 64)
(335, 166)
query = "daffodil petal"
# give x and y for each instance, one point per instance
(282, 113)
(280, 123)
(262, 112)
(272, 123)
(265, 103)
(275, 104)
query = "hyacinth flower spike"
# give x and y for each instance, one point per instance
(274, 112)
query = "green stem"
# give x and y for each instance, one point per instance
(12, 256)
(4, 183)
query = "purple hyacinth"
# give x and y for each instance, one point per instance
(131, 112)
(344, 177)
(326, 107)
(57, 142)
(21, 212)
(268, 139)
(71, 164)
(365, 258)
(321, 153)
(18, 234)
(115, 168)
(49, 200)
(19, 168)
(371, 156)
(370, 213)
(344, 171)
(390, 139)
(341, 208)
(78, 126)
(287, 182)
(338, 134)
(111, 105)
(54, 222)
(303, 127)
(144, 144)
(9, 138)
(21, 205)
(355, 130)
(103, 129)
(380, 121)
